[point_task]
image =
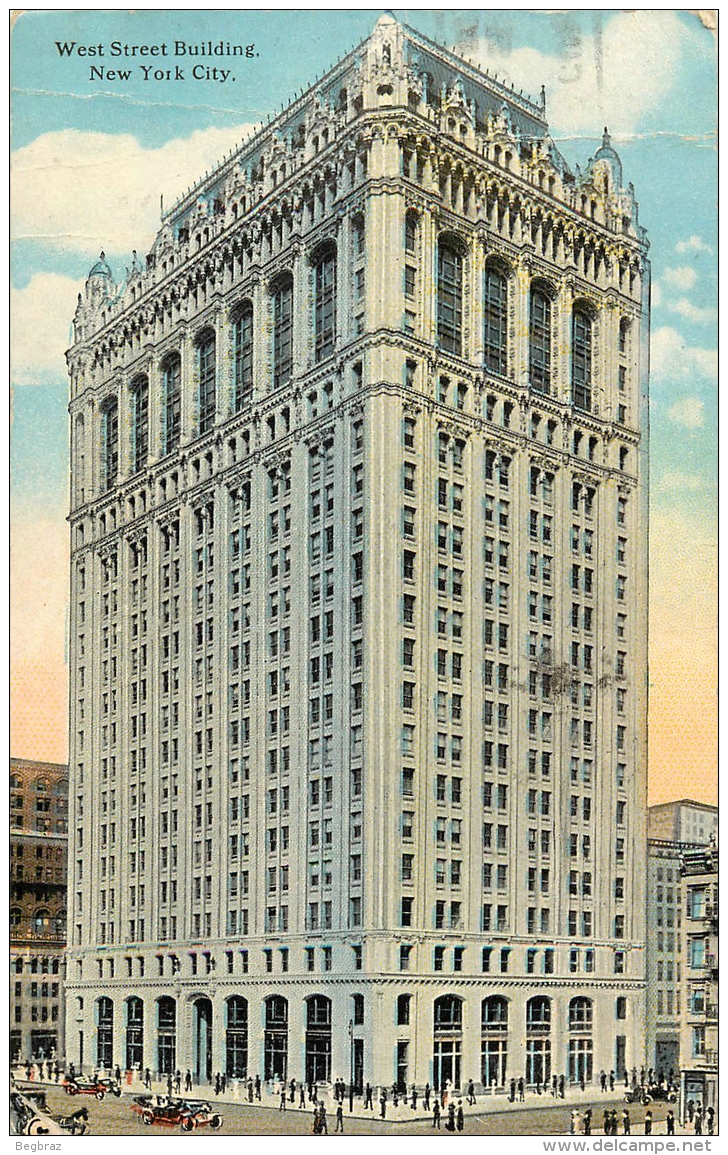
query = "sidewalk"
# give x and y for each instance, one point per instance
(489, 1103)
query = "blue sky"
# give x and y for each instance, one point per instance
(91, 159)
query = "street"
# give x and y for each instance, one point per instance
(115, 1117)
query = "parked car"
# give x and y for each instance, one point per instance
(100, 1088)
(189, 1114)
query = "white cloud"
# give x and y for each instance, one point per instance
(694, 244)
(40, 316)
(611, 78)
(84, 191)
(686, 482)
(683, 277)
(671, 356)
(690, 412)
(690, 312)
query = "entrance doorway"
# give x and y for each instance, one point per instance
(202, 1040)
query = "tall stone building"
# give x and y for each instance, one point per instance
(38, 853)
(359, 532)
(699, 1011)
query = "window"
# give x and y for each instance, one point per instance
(495, 310)
(243, 354)
(449, 298)
(206, 381)
(581, 359)
(282, 330)
(110, 442)
(325, 306)
(140, 423)
(540, 341)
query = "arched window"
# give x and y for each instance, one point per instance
(282, 330)
(172, 386)
(538, 1040)
(140, 423)
(495, 311)
(540, 340)
(580, 1014)
(236, 1037)
(243, 355)
(104, 1032)
(166, 1035)
(206, 380)
(134, 1033)
(447, 1050)
(318, 1039)
(449, 297)
(494, 1041)
(581, 359)
(110, 442)
(41, 920)
(275, 1041)
(325, 302)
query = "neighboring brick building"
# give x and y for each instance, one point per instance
(38, 887)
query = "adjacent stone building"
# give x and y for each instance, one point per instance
(38, 853)
(665, 956)
(699, 1010)
(358, 615)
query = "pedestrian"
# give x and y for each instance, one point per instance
(471, 1093)
(626, 1123)
(217, 1083)
(383, 1107)
(582, 1084)
(188, 1080)
(413, 1097)
(587, 1121)
(339, 1119)
(117, 1073)
(710, 1120)
(292, 1089)
(670, 1120)
(314, 1092)
(603, 1080)
(257, 1086)
(555, 1086)
(351, 1097)
(451, 1117)
(316, 1128)
(323, 1125)
(460, 1116)
(607, 1123)
(368, 1097)
(426, 1097)
(147, 1079)
(223, 1082)
(691, 1109)
(436, 1114)
(169, 1085)
(177, 1082)
(56, 1071)
(614, 1123)
(282, 1104)
(521, 1090)
(648, 1122)
(512, 1095)
(250, 1090)
(699, 1120)
(611, 1080)
(302, 1096)
(562, 1085)
(574, 1122)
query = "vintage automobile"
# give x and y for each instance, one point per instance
(167, 1112)
(80, 1085)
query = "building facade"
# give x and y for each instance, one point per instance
(359, 526)
(699, 1011)
(673, 828)
(685, 820)
(38, 854)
